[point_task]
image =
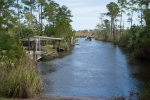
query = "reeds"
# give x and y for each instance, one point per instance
(81, 34)
(22, 81)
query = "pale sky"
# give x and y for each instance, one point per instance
(85, 13)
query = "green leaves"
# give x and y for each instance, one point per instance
(10, 48)
(7, 15)
(59, 18)
(137, 41)
(25, 32)
(51, 11)
(113, 9)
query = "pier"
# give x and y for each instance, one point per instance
(34, 45)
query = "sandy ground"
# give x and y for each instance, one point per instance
(53, 97)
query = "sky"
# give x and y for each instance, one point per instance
(85, 13)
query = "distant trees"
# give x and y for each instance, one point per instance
(122, 7)
(136, 38)
(103, 29)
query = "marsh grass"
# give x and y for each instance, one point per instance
(82, 34)
(22, 81)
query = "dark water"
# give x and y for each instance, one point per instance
(93, 68)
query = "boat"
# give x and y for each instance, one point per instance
(88, 38)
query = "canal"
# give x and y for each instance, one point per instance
(93, 68)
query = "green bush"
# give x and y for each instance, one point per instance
(24, 33)
(137, 42)
(10, 47)
(124, 40)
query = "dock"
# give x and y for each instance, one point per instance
(36, 52)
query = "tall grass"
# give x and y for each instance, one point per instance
(19, 77)
(81, 34)
(22, 81)
(48, 48)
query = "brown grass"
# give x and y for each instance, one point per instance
(81, 34)
(21, 81)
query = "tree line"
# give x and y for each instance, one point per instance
(135, 38)
(42, 17)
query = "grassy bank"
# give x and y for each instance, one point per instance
(19, 77)
(20, 81)
(83, 34)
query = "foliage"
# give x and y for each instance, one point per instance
(59, 21)
(50, 12)
(24, 33)
(22, 81)
(9, 47)
(137, 38)
(50, 30)
(58, 17)
(7, 16)
(137, 42)
(19, 77)
(113, 11)
(65, 46)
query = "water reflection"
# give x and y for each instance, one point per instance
(93, 68)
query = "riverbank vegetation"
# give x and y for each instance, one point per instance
(83, 34)
(135, 38)
(19, 77)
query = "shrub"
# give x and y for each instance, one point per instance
(124, 40)
(137, 42)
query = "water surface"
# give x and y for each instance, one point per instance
(93, 68)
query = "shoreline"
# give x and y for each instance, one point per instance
(59, 97)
